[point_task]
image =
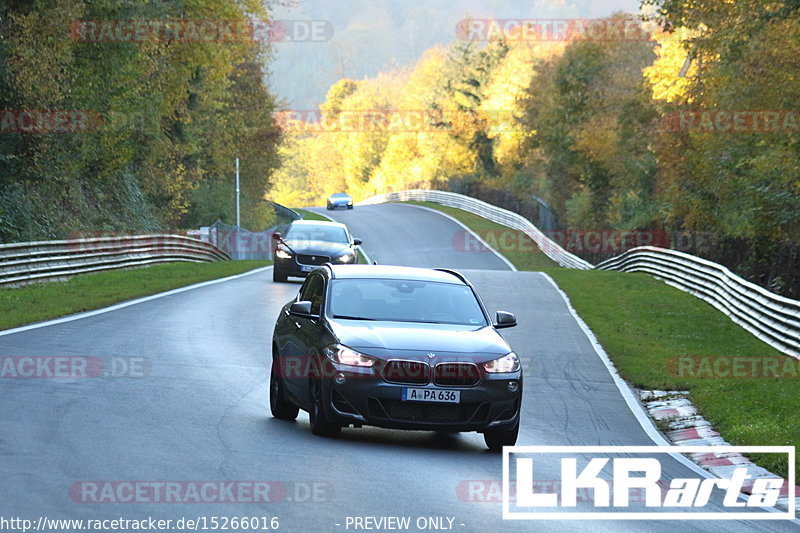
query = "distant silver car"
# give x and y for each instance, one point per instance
(338, 200)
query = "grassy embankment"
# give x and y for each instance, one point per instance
(42, 301)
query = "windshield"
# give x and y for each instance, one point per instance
(405, 301)
(340, 195)
(317, 233)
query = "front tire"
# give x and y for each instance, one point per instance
(495, 439)
(349, 207)
(278, 276)
(279, 405)
(320, 425)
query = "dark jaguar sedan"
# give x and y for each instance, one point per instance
(395, 347)
(308, 244)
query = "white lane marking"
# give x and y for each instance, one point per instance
(475, 235)
(122, 305)
(636, 408)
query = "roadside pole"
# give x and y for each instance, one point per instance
(237, 193)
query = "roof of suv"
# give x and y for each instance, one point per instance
(393, 272)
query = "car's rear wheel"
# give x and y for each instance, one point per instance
(320, 425)
(280, 406)
(497, 438)
(279, 276)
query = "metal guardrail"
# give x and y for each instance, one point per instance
(29, 262)
(496, 214)
(770, 317)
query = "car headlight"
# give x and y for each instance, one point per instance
(346, 258)
(282, 254)
(507, 363)
(345, 356)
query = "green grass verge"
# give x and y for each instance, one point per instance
(43, 301)
(310, 215)
(645, 326)
(513, 244)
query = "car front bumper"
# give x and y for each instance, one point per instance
(290, 267)
(365, 398)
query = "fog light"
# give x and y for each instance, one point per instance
(339, 378)
(513, 386)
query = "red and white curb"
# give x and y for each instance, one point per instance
(686, 427)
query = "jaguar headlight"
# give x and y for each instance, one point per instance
(346, 258)
(280, 253)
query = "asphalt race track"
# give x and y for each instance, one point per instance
(197, 408)
(396, 234)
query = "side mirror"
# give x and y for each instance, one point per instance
(357, 242)
(277, 236)
(505, 320)
(301, 309)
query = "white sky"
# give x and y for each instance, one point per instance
(374, 35)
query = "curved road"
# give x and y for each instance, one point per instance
(198, 410)
(396, 234)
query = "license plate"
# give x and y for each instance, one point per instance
(304, 268)
(431, 395)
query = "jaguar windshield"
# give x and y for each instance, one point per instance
(317, 233)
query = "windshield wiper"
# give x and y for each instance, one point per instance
(347, 317)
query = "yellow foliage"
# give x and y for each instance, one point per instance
(668, 75)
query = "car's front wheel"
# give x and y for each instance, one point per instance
(320, 425)
(280, 406)
(497, 438)
(278, 276)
